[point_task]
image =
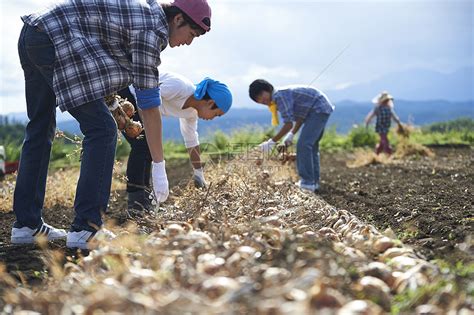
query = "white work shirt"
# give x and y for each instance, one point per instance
(175, 90)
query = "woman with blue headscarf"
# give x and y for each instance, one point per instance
(188, 102)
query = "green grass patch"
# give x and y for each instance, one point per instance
(459, 280)
(408, 300)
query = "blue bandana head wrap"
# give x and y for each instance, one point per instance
(218, 91)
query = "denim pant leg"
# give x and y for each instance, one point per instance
(99, 144)
(37, 57)
(139, 160)
(307, 148)
(316, 158)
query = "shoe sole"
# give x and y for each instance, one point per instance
(31, 240)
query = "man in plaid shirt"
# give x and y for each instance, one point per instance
(299, 107)
(73, 55)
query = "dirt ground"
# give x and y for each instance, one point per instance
(427, 202)
(26, 262)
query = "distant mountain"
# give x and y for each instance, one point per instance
(416, 85)
(22, 117)
(420, 113)
(427, 91)
(346, 115)
(15, 118)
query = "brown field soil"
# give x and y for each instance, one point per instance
(427, 202)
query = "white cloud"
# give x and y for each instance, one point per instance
(11, 75)
(343, 86)
(292, 42)
(276, 73)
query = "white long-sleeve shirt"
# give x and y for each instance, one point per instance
(175, 90)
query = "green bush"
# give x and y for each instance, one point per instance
(123, 149)
(12, 151)
(468, 137)
(442, 138)
(461, 124)
(60, 150)
(359, 136)
(220, 141)
(238, 140)
(174, 150)
(252, 135)
(12, 133)
(332, 141)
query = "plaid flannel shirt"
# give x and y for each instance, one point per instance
(296, 102)
(103, 46)
(384, 118)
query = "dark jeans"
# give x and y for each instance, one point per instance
(139, 160)
(37, 57)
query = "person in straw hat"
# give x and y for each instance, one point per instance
(384, 112)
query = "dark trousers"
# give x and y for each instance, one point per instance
(37, 57)
(139, 160)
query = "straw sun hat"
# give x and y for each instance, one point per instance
(382, 97)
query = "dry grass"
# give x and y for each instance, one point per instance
(404, 149)
(7, 188)
(252, 243)
(364, 157)
(404, 131)
(407, 148)
(60, 188)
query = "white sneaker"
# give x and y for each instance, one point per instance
(84, 239)
(25, 235)
(306, 187)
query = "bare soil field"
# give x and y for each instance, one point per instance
(428, 202)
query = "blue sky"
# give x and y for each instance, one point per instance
(290, 42)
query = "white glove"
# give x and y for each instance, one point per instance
(160, 181)
(199, 179)
(288, 140)
(267, 146)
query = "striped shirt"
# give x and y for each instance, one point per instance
(295, 103)
(103, 46)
